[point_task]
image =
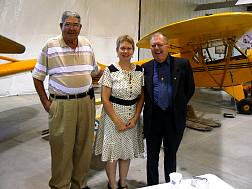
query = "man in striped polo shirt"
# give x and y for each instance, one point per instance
(69, 61)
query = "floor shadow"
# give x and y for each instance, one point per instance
(18, 115)
(136, 184)
(96, 163)
(13, 122)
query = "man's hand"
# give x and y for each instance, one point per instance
(47, 105)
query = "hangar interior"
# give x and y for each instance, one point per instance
(25, 155)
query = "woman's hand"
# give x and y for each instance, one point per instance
(120, 125)
(131, 123)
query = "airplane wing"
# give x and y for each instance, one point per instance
(15, 66)
(8, 46)
(185, 35)
(209, 44)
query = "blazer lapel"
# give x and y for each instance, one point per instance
(175, 75)
(149, 79)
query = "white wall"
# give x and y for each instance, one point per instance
(31, 23)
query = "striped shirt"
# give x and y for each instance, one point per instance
(69, 69)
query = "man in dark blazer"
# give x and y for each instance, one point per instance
(168, 87)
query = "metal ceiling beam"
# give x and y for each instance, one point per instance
(216, 5)
(243, 2)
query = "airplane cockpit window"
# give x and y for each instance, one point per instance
(237, 54)
(213, 55)
(216, 51)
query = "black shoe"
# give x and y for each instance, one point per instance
(122, 187)
(109, 187)
(86, 187)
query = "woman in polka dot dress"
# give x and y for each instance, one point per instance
(119, 137)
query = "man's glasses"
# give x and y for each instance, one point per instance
(158, 45)
(74, 25)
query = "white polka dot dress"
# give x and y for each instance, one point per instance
(114, 145)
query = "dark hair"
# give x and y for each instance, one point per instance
(68, 14)
(123, 38)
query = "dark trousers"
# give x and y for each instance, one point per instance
(163, 130)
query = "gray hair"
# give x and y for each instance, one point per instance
(68, 14)
(157, 34)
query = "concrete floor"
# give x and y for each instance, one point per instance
(225, 151)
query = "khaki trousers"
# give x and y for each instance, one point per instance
(71, 129)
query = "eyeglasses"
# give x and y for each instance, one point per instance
(74, 25)
(158, 45)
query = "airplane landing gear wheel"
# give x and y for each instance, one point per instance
(244, 106)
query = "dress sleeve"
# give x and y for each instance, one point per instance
(106, 79)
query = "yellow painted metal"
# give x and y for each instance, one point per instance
(17, 67)
(227, 62)
(140, 62)
(8, 59)
(239, 71)
(235, 91)
(98, 101)
(102, 66)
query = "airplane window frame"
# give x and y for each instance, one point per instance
(210, 57)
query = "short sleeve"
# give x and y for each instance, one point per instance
(106, 79)
(40, 70)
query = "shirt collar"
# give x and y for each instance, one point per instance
(63, 43)
(165, 62)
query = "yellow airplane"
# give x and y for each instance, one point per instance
(13, 66)
(209, 42)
